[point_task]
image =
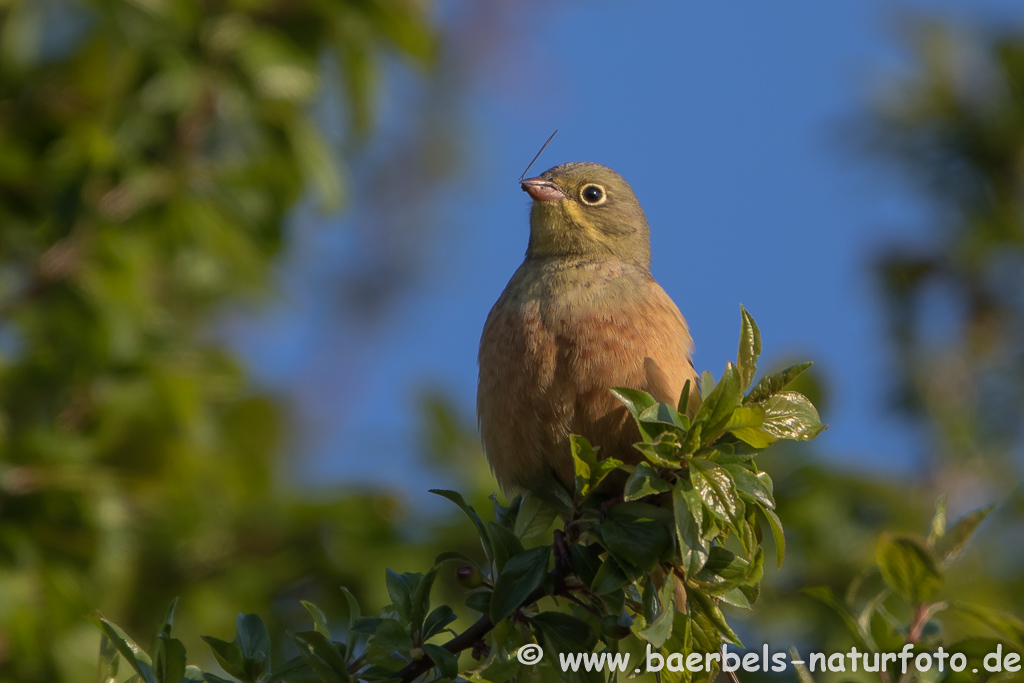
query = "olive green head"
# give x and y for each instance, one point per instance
(585, 210)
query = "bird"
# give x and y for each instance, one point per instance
(581, 315)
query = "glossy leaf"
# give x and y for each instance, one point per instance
(749, 349)
(789, 415)
(688, 510)
(773, 384)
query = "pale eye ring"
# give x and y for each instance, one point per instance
(592, 194)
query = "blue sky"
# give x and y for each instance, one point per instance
(732, 121)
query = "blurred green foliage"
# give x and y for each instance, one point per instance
(149, 152)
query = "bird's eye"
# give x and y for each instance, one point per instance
(593, 195)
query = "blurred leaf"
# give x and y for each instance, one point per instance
(952, 543)
(938, 527)
(825, 596)
(908, 567)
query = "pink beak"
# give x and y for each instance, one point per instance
(541, 190)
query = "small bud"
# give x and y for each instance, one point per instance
(469, 577)
(417, 653)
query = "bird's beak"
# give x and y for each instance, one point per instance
(541, 190)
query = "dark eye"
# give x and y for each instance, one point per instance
(592, 194)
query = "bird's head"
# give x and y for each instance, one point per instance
(585, 209)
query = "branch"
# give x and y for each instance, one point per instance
(464, 640)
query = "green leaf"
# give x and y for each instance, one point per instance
(707, 385)
(349, 617)
(789, 415)
(780, 538)
(563, 633)
(749, 349)
(584, 458)
(773, 384)
(437, 620)
(391, 636)
(908, 567)
(535, 516)
(719, 404)
(663, 414)
(447, 663)
(322, 657)
(421, 601)
(636, 401)
(637, 534)
(644, 482)
(136, 657)
(1006, 624)
(522, 575)
(716, 490)
(505, 542)
(684, 407)
(295, 669)
(756, 488)
(663, 450)
(479, 600)
(952, 543)
(168, 659)
(471, 513)
(254, 641)
(659, 630)
(689, 517)
(745, 424)
(610, 577)
(401, 588)
(165, 623)
(319, 620)
(700, 603)
(228, 655)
